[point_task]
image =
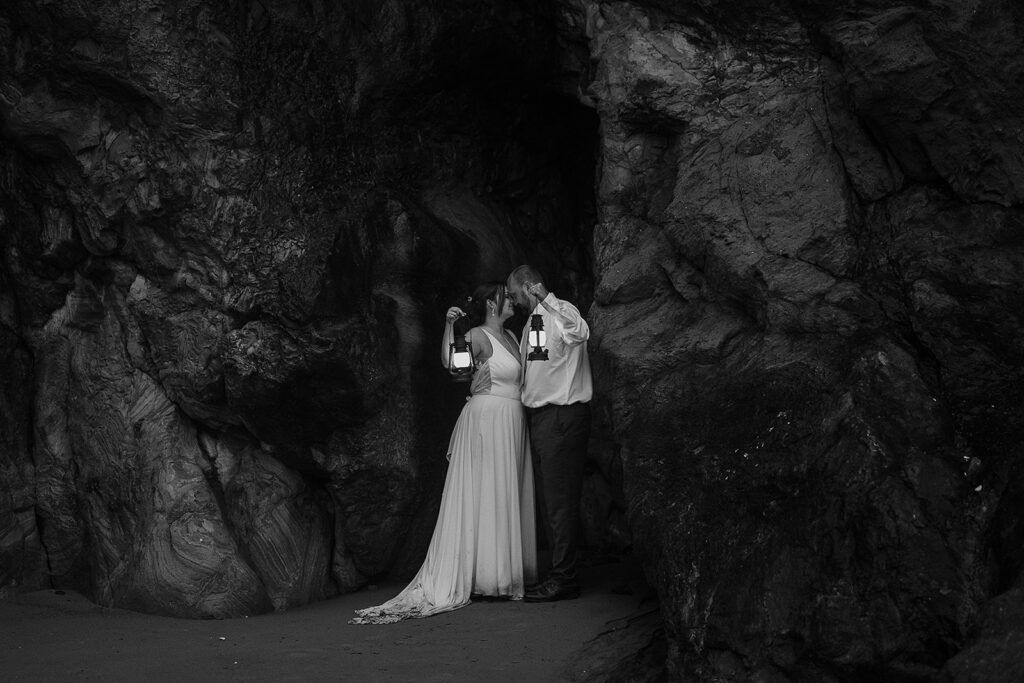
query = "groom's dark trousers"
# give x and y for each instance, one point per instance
(558, 440)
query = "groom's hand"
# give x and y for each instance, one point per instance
(537, 290)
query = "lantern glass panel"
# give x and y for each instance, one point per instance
(538, 338)
(461, 359)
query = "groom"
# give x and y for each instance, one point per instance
(556, 394)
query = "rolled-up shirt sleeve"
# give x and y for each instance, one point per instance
(574, 328)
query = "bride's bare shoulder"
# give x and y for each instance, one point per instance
(481, 344)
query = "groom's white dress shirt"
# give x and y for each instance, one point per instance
(564, 378)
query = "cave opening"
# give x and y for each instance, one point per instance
(499, 138)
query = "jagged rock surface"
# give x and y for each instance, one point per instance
(808, 266)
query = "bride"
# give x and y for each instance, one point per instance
(484, 541)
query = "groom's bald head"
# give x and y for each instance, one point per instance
(522, 275)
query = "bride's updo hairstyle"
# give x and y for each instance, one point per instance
(476, 305)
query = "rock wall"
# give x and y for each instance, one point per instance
(230, 233)
(808, 261)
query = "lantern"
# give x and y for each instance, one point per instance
(460, 359)
(537, 338)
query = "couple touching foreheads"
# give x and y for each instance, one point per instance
(523, 433)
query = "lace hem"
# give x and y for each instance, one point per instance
(369, 616)
(393, 615)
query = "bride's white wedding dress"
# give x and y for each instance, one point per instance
(484, 542)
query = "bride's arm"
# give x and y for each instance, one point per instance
(453, 314)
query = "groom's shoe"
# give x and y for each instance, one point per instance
(552, 590)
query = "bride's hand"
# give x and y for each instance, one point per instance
(453, 314)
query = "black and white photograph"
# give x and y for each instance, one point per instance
(628, 341)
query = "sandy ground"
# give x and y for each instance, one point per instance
(57, 636)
